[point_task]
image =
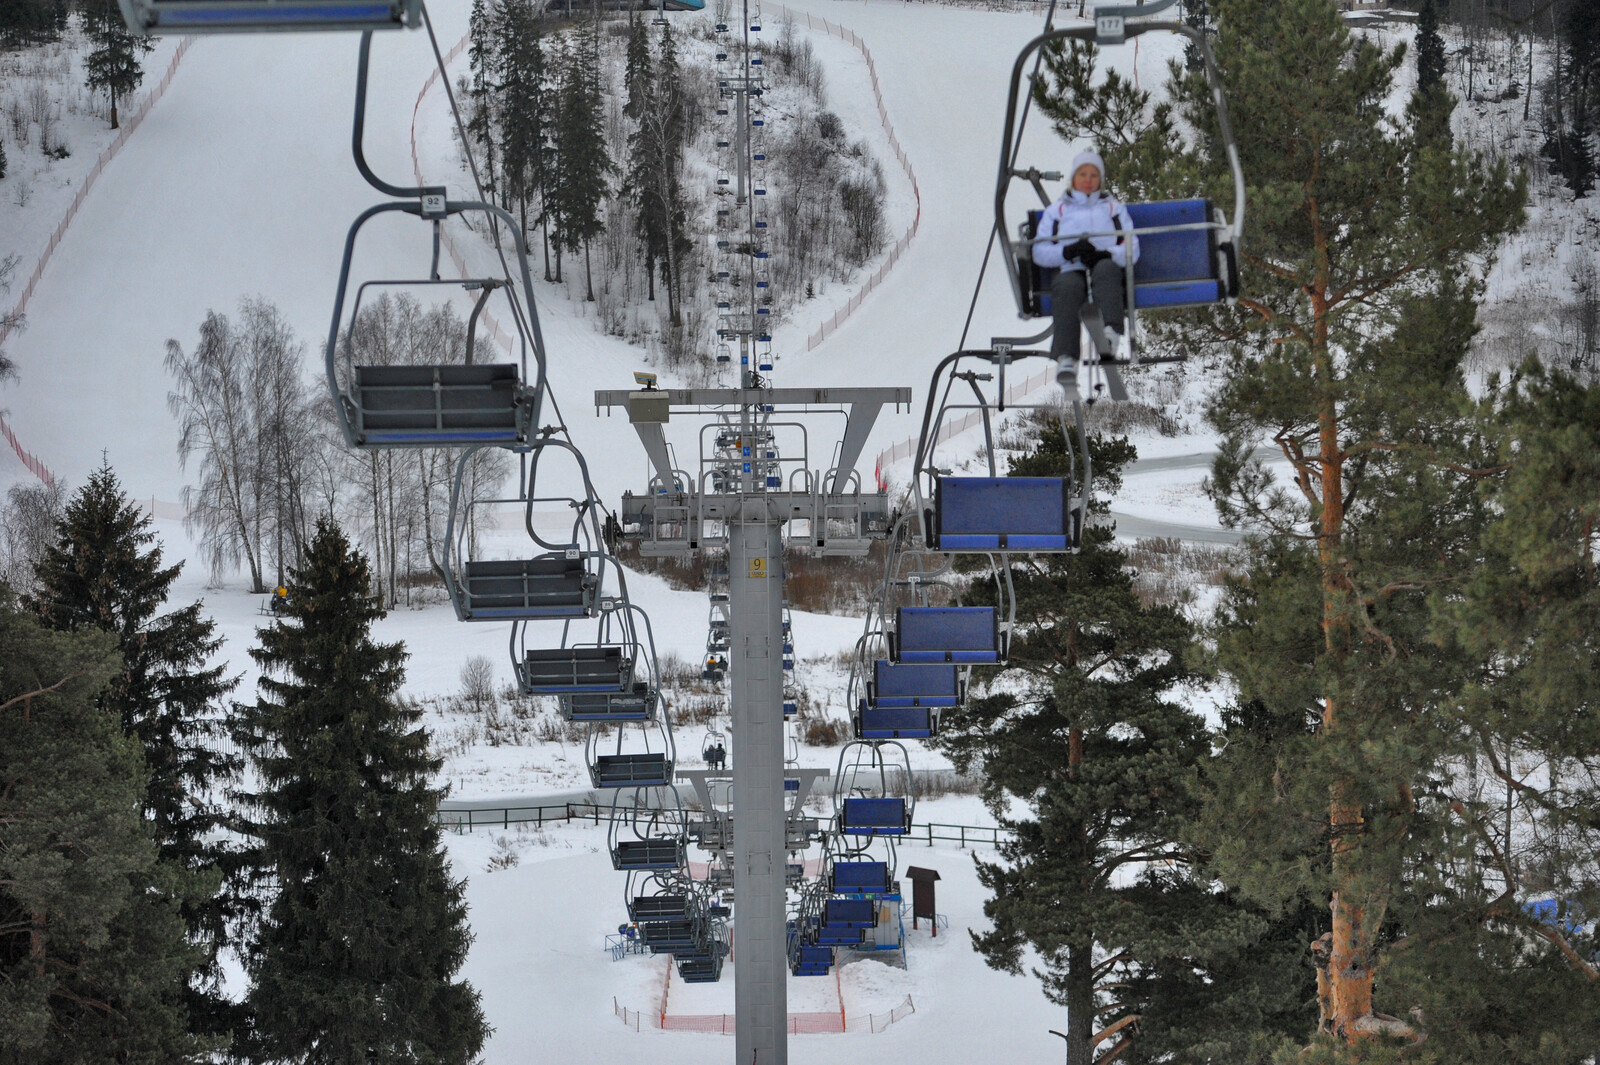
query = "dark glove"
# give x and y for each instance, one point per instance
(1094, 256)
(1077, 250)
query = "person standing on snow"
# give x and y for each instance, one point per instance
(1088, 263)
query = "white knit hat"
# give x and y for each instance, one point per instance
(1088, 157)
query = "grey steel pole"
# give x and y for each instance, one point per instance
(755, 600)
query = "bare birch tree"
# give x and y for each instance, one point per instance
(247, 412)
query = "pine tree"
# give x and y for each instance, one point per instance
(1358, 305)
(355, 956)
(112, 66)
(103, 573)
(1360, 287)
(93, 962)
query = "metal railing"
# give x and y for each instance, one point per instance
(503, 817)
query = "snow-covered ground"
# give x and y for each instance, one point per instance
(550, 988)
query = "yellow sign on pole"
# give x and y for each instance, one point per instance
(758, 568)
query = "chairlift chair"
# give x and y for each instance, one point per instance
(994, 514)
(1189, 249)
(562, 582)
(437, 403)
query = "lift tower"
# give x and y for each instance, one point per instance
(770, 499)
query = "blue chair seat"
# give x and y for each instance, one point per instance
(946, 634)
(1004, 514)
(840, 937)
(1180, 294)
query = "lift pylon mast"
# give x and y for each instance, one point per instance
(753, 516)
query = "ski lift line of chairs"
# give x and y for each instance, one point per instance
(996, 514)
(254, 16)
(1189, 249)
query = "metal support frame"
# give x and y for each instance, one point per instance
(750, 519)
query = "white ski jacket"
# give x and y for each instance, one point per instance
(1076, 214)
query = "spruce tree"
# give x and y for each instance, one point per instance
(636, 72)
(93, 959)
(105, 573)
(482, 60)
(112, 66)
(355, 957)
(524, 99)
(582, 162)
(1430, 48)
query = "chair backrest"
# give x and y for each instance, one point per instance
(945, 629)
(916, 678)
(1183, 255)
(874, 813)
(990, 513)
(857, 876)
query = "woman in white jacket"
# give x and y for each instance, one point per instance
(1097, 261)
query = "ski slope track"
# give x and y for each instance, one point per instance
(239, 182)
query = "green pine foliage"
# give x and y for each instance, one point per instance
(356, 955)
(1362, 265)
(93, 959)
(104, 573)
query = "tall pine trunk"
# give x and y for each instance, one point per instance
(1080, 1003)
